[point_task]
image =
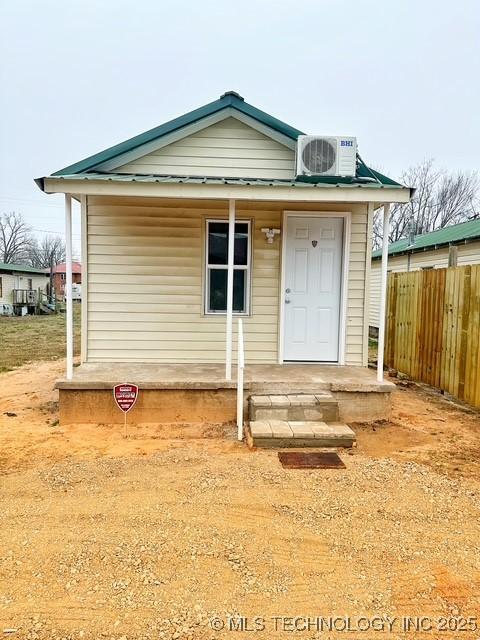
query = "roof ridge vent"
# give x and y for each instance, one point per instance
(232, 93)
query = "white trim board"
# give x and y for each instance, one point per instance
(202, 191)
(84, 305)
(347, 218)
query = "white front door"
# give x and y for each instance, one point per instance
(313, 277)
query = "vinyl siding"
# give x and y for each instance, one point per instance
(146, 277)
(227, 148)
(17, 281)
(354, 352)
(467, 254)
(8, 283)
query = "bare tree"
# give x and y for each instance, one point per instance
(15, 238)
(440, 199)
(47, 253)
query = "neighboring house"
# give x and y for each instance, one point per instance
(59, 277)
(163, 273)
(20, 286)
(452, 246)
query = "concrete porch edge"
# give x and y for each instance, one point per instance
(194, 393)
(269, 378)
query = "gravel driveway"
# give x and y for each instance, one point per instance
(158, 538)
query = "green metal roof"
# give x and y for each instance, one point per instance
(7, 266)
(317, 181)
(455, 234)
(230, 99)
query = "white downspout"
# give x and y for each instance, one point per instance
(68, 284)
(231, 247)
(383, 291)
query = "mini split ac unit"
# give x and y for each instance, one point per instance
(326, 156)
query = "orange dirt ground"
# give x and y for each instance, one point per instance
(155, 536)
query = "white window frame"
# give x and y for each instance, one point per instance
(247, 268)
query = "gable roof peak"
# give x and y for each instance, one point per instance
(232, 93)
(230, 99)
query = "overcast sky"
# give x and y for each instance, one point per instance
(77, 77)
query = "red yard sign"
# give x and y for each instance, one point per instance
(125, 396)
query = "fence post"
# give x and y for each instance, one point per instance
(467, 284)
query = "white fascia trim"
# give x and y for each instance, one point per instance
(190, 129)
(262, 128)
(205, 191)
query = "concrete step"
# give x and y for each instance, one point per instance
(299, 408)
(291, 433)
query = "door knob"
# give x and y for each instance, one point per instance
(287, 290)
(287, 301)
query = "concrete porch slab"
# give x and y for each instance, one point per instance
(275, 379)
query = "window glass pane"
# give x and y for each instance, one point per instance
(218, 243)
(241, 243)
(239, 293)
(218, 290)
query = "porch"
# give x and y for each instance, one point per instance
(36, 300)
(194, 393)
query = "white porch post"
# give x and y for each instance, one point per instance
(68, 283)
(383, 291)
(231, 246)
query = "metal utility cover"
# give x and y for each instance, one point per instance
(311, 460)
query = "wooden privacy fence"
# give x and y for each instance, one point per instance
(433, 328)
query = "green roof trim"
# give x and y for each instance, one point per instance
(454, 234)
(229, 99)
(7, 266)
(317, 181)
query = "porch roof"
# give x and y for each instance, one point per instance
(378, 181)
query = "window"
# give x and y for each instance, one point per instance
(30, 284)
(1, 288)
(217, 263)
(63, 276)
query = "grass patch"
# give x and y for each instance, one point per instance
(33, 338)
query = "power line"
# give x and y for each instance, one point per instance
(60, 233)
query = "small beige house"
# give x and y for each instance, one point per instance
(20, 287)
(452, 246)
(204, 221)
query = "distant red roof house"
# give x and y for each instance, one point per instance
(62, 268)
(59, 273)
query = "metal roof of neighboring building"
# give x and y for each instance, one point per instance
(7, 266)
(85, 169)
(454, 234)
